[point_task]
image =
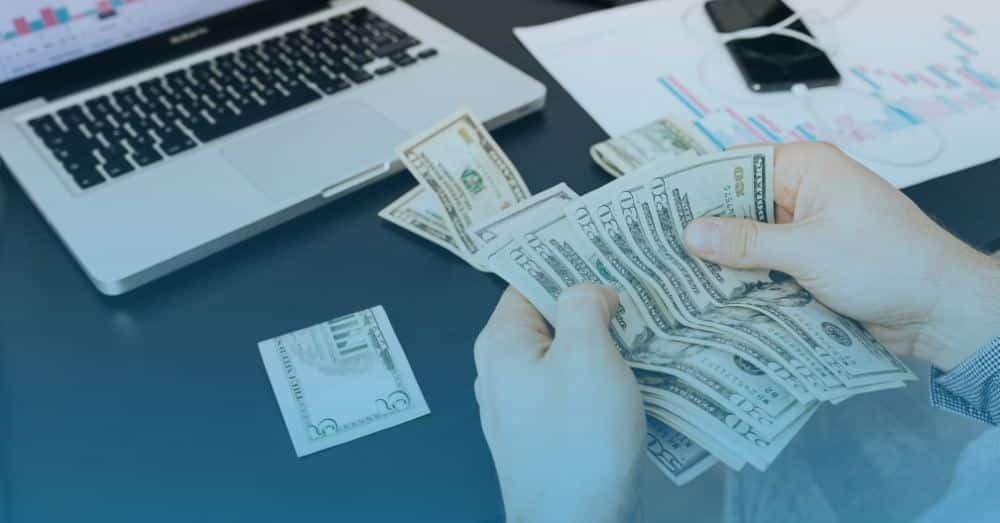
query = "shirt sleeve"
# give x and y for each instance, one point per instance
(973, 388)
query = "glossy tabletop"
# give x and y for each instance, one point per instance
(154, 406)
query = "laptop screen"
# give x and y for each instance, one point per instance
(39, 34)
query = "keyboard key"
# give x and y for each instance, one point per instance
(138, 126)
(100, 107)
(72, 117)
(403, 59)
(395, 47)
(173, 141)
(146, 156)
(80, 168)
(117, 167)
(359, 76)
(45, 126)
(88, 178)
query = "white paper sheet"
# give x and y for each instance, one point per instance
(920, 96)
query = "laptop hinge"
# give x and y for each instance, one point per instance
(360, 178)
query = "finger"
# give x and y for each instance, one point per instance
(515, 327)
(746, 244)
(792, 164)
(583, 316)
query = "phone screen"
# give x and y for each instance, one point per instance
(773, 62)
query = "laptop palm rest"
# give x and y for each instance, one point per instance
(302, 156)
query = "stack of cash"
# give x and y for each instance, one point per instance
(731, 363)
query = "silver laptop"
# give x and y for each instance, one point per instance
(152, 133)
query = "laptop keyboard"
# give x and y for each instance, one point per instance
(138, 126)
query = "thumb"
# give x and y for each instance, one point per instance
(583, 316)
(746, 244)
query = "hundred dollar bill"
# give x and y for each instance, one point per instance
(340, 380)
(679, 458)
(736, 184)
(663, 413)
(841, 345)
(470, 175)
(664, 138)
(531, 266)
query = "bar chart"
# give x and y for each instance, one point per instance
(35, 35)
(900, 99)
(49, 17)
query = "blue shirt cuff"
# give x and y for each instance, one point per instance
(973, 388)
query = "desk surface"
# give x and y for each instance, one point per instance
(155, 406)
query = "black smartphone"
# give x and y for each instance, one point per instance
(773, 62)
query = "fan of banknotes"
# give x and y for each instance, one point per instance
(731, 363)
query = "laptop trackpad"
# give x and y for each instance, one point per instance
(303, 156)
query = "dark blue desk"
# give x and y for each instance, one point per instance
(155, 407)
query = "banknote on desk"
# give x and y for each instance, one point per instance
(664, 138)
(341, 380)
(464, 179)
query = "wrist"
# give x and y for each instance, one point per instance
(966, 315)
(618, 505)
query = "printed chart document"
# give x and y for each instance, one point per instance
(340, 380)
(920, 95)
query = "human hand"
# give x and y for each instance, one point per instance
(562, 416)
(866, 251)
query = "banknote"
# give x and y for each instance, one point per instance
(733, 385)
(515, 217)
(841, 345)
(341, 380)
(472, 178)
(664, 138)
(734, 361)
(679, 458)
(419, 212)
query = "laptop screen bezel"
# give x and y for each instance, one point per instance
(133, 57)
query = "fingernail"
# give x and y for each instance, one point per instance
(704, 236)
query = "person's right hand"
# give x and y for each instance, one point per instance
(866, 251)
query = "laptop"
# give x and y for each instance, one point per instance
(153, 133)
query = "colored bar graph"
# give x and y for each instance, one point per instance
(687, 93)
(704, 130)
(805, 132)
(21, 26)
(54, 16)
(961, 26)
(680, 97)
(972, 79)
(49, 17)
(983, 78)
(859, 72)
(746, 125)
(962, 45)
(908, 99)
(943, 76)
(767, 132)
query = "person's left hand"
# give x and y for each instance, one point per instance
(563, 417)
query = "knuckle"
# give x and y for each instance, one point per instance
(579, 295)
(746, 240)
(481, 347)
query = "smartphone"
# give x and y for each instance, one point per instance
(774, 62)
